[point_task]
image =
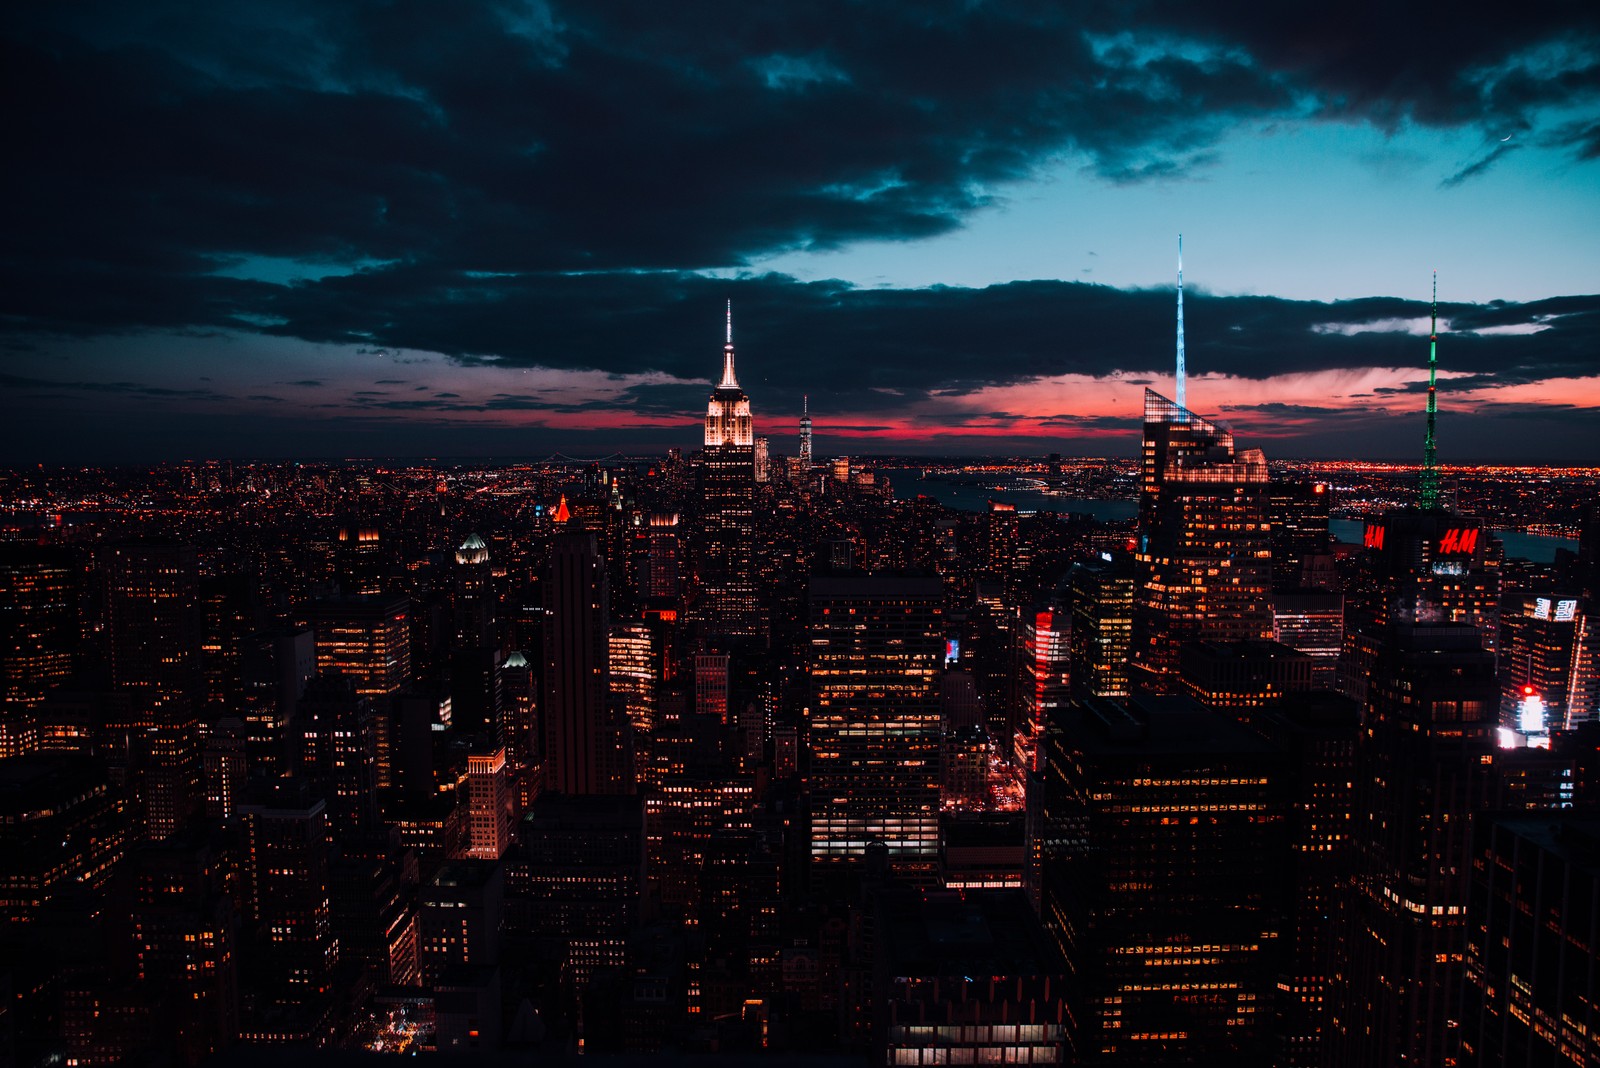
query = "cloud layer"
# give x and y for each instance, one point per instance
(540, 185)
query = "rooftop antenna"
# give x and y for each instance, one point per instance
(728, 380)
(1428, 479)
(1180, 399)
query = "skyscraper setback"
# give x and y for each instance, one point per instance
(1204, 553)
(727, 499)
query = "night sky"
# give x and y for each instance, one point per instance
(320, 229)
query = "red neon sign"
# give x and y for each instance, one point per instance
(1457, 540)
(1373, 538)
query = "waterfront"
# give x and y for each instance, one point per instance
(973, 494)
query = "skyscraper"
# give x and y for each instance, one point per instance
(153, 604)
(1424, 769)
(584, 744)
(1204, 555)
(38, 632)
(876, 646)
(1101, 632)
(1162, 825)
(805, 436)
(728, 485)
(474, 652)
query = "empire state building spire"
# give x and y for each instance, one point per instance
(728, 379)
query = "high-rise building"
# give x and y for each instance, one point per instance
(763, 459)
(1101, 634)
(1419, 568)
(366, 638)
(1163, 826)
(576, 880)
(995, 994)
(337, 751)
(727, 500)
(1239, 678)
(711, 684)
(491, 806)
(1312, 621)
(474, 647)
(224, 763)
(1046, 673)
(1538, 647)
(38, 635)
(1298, 512)
(1315, 735)
(294, 950)
(462, 910)
(276, 667)
(877, 642)
(805, 437)
(1204, 551)
(185, 943)
(1424, 770)
(61, 825)
(586, 746)
(662, 569)
(1533, 981)
(153, 608)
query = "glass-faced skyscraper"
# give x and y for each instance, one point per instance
(728, 487)
(1204, 554)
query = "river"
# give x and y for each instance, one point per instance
(974, 496)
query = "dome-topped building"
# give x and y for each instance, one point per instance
(473, 551)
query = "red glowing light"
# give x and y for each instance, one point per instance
(1457, 540)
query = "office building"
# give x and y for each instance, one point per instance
(877, 643)
(38, 636)
(587, 747)
(492, 814)
(1312, 622)
(1163, 826)
(1204, 552)
(1533, 973)
(1424, 771)
(1101, 632)
(1298, 513)
(1240, 677)
(474, 646)
(966, 978)
(1539, 648)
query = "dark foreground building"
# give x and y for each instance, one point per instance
(1533, 943)
(1162, 881)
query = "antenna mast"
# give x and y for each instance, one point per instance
(1181, 402)
(1428, 480)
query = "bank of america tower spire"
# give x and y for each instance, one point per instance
(727, 601)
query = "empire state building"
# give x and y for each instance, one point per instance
(728, 487)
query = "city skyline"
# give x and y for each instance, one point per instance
(272, 230)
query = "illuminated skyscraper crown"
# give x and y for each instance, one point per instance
(728, 412)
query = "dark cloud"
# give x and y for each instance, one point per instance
(882, 349)
(160, 145)
(23, 383)
(536, 185)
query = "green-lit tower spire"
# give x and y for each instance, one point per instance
(1428, 480)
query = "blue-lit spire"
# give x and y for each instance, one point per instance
(1179, 397)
